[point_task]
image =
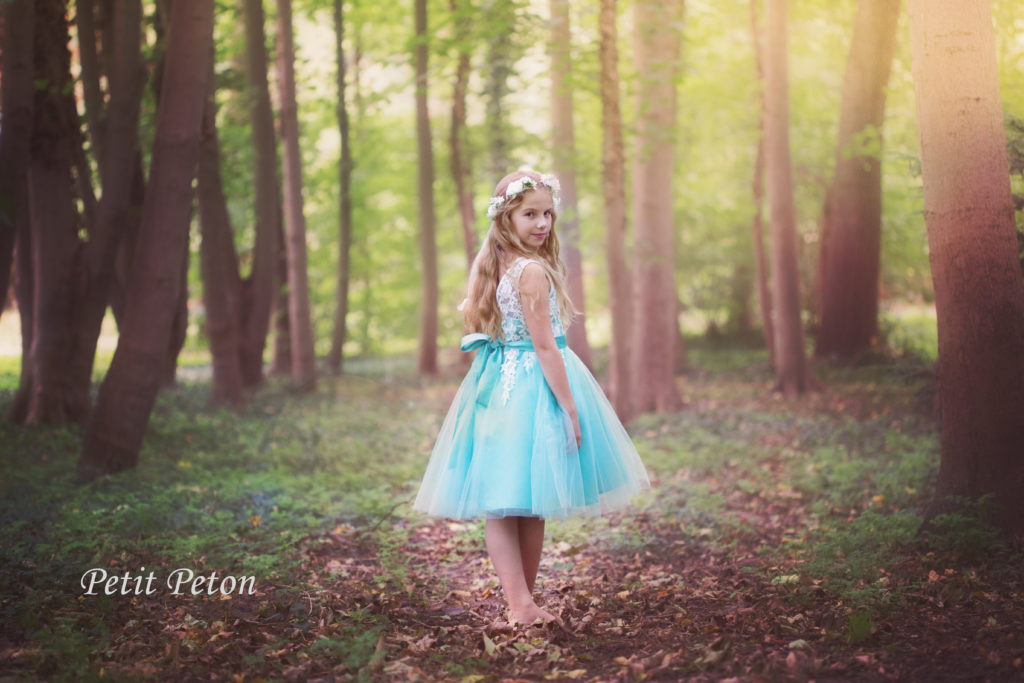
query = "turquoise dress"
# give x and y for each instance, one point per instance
(507, 447)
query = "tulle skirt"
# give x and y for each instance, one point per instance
(507, 447)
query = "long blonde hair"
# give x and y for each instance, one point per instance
(502, 245)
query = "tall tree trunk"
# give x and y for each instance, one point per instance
(126, 397)
(428, 247)
(260, 286)
(656, 53)
(563, 150)
(790, 357)
(55, 243)
(620, 296)
(116, 212)
(281, 359)
(340, 334)
(300, 319)
(500, 20)
(969, 213)
(222, 286)
(459, 155)
(15, 135)
(757, 225)
(851, 238)
(88, 57)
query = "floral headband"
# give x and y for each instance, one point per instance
(520, 185)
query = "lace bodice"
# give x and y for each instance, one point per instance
(513, 322)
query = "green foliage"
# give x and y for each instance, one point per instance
(354, 642)
(964, 533)
(851, 557)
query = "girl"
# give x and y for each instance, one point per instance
(529, 434)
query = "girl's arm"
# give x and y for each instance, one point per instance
(533, 289)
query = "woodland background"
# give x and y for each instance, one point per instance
(156, 204)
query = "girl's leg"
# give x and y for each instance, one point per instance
(531, 541)
(502, 536)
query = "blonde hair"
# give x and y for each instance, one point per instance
(502, 245)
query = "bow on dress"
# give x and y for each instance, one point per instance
(491, 356)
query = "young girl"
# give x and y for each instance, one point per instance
(529, 435)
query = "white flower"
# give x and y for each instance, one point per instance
(494, 205)
(520, 185)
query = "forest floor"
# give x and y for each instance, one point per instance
(781, 540)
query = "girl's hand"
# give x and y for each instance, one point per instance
(576, 431)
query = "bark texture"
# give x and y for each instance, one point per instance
(126, 397)
(303, 355)
(620, 290)
(848, 263)
(969, 213)
(340, 333)
(790, 358)
(260, 287)
(427, 364)
(656, 53)
(563, 149)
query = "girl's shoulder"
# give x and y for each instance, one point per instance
(516, 268)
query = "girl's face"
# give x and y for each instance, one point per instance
(533, 218)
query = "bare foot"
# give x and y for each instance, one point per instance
(529, 614)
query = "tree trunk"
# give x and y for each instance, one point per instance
(126, 397)
(179, 325)
(428, 247)
(88, 57)
(300, 319)
(55, 244)
(500, 21)
(260, 286)
(969, 213)
(459, 156)
(15, 135)
(848, 263)
(337, 356)
(790, 357)
(620, 297)
(656, 53)
(116, 212)
(222, 287)
(563, 150)
(281, 360)
(757, 225)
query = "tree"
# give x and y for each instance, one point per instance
(460, 165)
(336, 357)
(656, 53)
(428, 248)
(757, 187)
(969, 213)
(259, 290)
(563, 150)
(848, 263)
(17, 97)
(502, 53)
(116, 428)
(222, 286)
(67, 294)
(303, 355)
(620, 297)
(791, 375)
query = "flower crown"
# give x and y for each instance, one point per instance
(520, 185)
